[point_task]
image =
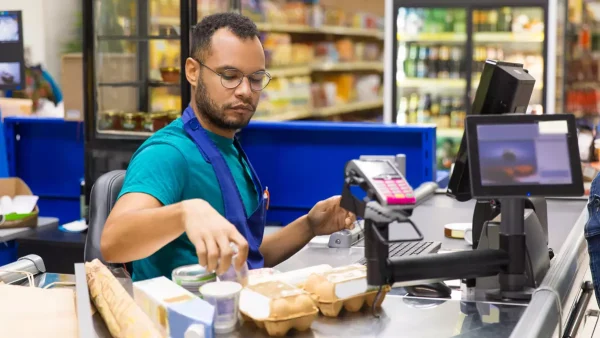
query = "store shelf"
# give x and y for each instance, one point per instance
(287, 116)
(450, 132)
(348, 108)
(327, 67)
(348, 66)
(289, 28)
(140, 134)
(492, 37)
(440, 83)
(322, 112)
(434, 37)
(290, 71)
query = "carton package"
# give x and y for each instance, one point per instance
(295, 277)
(174, 309)
(15, 187)
(278, 307)
(343, 287)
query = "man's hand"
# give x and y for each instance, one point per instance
(212, 234)
(327, 217)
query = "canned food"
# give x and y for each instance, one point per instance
(192, 277)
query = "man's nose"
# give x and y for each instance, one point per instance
(244, 89)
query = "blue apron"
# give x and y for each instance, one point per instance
(252, 228)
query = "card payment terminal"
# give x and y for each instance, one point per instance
(386, 181)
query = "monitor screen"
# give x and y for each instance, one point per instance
(504, 88)
(523, 155)
(12, 63)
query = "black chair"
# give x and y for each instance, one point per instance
(102, 199)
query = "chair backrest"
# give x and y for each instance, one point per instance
(102, 199)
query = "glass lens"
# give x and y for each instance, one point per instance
(258, 81)
(231, 78)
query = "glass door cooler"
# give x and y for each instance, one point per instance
(436, 51)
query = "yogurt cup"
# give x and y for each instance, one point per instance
(224, 296)
(192, 277)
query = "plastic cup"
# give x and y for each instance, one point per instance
(224, 296)
(231, 275)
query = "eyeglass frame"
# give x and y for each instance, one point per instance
(220, 75)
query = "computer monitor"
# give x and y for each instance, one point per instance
(504, 88)
(12, 59)
(523, 156)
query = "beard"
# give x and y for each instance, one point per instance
(216, 115)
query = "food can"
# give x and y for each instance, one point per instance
(192, 277)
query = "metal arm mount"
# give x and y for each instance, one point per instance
(509, 261)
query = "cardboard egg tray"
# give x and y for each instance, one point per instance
(353, 304)
(279, 328)
(278, 307)
(343, 287)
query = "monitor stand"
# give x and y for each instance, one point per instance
(487, 210)
(519, 232)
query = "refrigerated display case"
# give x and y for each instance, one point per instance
(132, 73)
(436, 51)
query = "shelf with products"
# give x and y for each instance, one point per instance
(338, 109)
(432, 37)
(326, 67)
(495, 37)
(429, 82)
(332, 30)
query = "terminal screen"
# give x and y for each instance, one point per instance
(524, 154)
(12, 65)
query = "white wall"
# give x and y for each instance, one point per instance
(47, 26)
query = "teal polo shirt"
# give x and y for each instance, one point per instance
(169, 167)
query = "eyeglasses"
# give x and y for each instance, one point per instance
(232, 78)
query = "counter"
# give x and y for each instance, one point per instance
(419, 317)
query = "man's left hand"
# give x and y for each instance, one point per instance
(327, 217)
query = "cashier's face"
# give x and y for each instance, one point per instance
(228, 108)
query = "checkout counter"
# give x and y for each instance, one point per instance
(405, 316)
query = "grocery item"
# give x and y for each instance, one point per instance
(278, 307)
(122, 315)
(232, 275)
(224, 296)
(296, 277)
(110, 120)
(172, 308)
(343, 287)
(192, 277)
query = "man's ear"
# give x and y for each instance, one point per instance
(192, 71)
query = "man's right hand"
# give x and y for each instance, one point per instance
(212, 234)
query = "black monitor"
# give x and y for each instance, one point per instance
(504, 88)
(12, 58)
(523, 155)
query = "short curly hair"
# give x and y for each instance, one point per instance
(203, 32)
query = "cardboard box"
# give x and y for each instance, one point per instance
(172, 308)
(12, 187)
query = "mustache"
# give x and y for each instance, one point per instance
(241, 105)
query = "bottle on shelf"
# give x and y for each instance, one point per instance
(445, 111)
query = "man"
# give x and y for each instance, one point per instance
(189, 190)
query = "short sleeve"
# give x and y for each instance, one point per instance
(159, 170)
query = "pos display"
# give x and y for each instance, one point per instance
(523, 155)
(12, 63)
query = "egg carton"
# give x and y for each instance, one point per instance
(278, 307)
(279, 328)
(353, 304)
(345, 287)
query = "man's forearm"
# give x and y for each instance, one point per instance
(138, 234)
(281, 245)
